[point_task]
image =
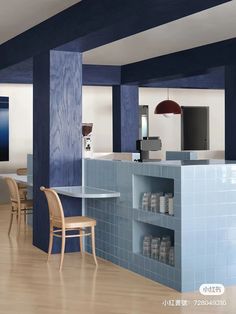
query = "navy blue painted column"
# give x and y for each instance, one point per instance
(230, 112)
(125, 118)
(57, 137)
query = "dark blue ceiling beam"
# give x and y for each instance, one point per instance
(191, 62)
(20, 73)
(212, 79)
(100, 75)
(94, 23)
(97, 75)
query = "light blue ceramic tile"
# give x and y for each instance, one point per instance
(188, 173)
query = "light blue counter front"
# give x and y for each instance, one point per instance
(202, 230)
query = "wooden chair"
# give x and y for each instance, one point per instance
(18, 206)
(22, 187)
(64, 224)
(21, 171)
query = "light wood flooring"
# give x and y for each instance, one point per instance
(30, 285)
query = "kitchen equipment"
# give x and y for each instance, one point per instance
(146, 145)
(87, 138)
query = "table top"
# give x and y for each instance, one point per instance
(19, 179)
(85, 192)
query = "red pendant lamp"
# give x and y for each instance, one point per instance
(167, 107)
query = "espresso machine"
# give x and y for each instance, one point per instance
(146, 145)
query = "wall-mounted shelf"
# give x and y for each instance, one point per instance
(157, 219)
(157, 262)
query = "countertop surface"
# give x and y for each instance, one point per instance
(175, 163)
(19, 179)
(85, 192)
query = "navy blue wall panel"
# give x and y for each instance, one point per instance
(230, 112)
(125, 112)
(94, 23)
(65, 118)
(41, 150)
(57, 136)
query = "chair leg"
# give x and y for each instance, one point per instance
(81, 241)
(25, 217)
(63, 240)
(93, 245)
(18, 224)
(50, 241)
(11, 219)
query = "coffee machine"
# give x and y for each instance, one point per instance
(146, 145)
(87, 139)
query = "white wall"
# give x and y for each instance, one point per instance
(169, 129)
(97, 108)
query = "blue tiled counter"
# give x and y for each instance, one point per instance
(203, 228)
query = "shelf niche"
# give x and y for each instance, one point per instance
(142, 229)
(142, 184)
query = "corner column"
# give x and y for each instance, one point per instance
(125, 118)
(230, 112)
(57, 137)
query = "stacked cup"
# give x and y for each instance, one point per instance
(164, 249)
(147, 246)
(171, 206)
(155, 202)
(172, 256)
(146, 200)
(155, 248)
(163, 206)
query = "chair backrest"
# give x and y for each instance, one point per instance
(54, 203)
(13, 189)
(21, 171)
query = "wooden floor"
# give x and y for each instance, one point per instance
(29, 285)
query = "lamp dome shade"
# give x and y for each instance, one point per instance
(168, 106)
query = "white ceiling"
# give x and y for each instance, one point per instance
(212, 25)
(205, 27)
(16, 16)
